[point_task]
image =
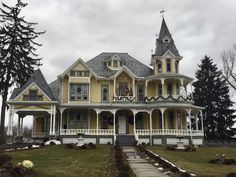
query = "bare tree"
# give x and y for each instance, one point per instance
(229, 59)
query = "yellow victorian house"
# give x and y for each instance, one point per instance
(113, 97)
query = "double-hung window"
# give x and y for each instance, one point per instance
(79, 92)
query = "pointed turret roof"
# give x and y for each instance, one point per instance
(161, 45)
(37, 78)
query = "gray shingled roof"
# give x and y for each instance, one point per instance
(162, 47)
(55, 87)
(98, 65)
(39, 80)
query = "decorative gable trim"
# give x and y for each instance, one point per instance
(33, 83)
(73, 65)
(127, 70)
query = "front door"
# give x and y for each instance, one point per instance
(122, 125)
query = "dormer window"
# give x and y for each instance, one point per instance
(109, 63)
(115, 63)
(168, 65)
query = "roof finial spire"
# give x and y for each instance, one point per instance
(162, 12)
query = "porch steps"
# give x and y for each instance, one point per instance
(125, 140)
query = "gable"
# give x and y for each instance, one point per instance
(26, 94)
(77, 66)
(38, 79)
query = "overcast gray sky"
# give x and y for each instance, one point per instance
(85, 28)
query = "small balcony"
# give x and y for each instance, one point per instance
(123, 98)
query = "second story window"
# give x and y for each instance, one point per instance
(105, 93)
(169, 89)
(79, 92)
(168, 65)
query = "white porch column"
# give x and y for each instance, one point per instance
(54, 120)
(97, 113)
(196, 121)
(202, 121)
(50, 124)
(21, 127)
(10, 121)
(150, 124)
(18, 126)
(134, 113)
(162, 119)
(61, 118)
(190, 124)
(114, 125)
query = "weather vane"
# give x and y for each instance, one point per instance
(162, 13)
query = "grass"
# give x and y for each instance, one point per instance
(197, 162)
(58, 161)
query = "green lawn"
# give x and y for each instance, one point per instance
(58, 161)
(197, 162)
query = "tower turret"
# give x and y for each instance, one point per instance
(166, 57)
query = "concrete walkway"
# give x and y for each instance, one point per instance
(140, 166)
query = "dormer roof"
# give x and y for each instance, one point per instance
(165, 42)
(98, 65)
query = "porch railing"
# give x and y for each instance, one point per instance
(39, 134)
(86, 131)
(175, 132)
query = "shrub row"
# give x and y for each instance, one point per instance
(174, 148)
(84, 146)
(223, 161)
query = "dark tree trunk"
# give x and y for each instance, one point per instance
(3, 113)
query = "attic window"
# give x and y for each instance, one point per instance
(33, 95)
(109, 63)
(79, 73)
(115, 63)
